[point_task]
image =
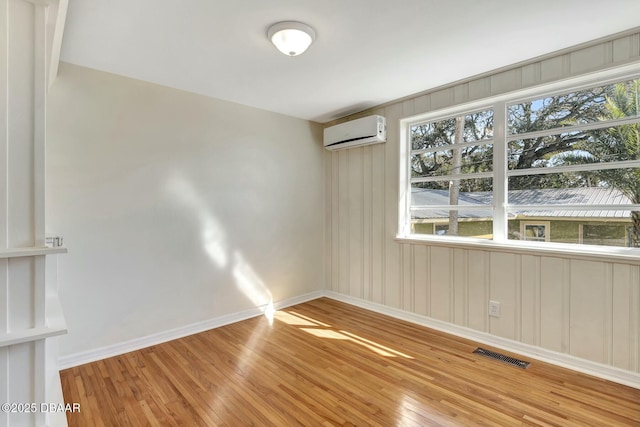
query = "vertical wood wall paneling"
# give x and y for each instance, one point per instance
(517, 309)
(538, 304)
(460, 288)
(420, 274)
(461, 93)
(566, 306)
(328, 221)
(392, 263)
(479, 88)
(407, 253)
(506, 81)
(621, 315)
(544, 298)
(527, 315)
(355, 220)
(551, 69)
(503, 283)
(591, 58)
(442, 98)
(622, 49)
(366, 223)
(335, 222)
(441, 283)
(406, 278)
(422, 104)
(634, 320)
(551, 312)
(478, 277)
(587, 310)
(343, 221)
(377, 223)
(607, 326)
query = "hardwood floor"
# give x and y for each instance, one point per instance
(326, 363)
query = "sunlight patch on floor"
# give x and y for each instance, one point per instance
(326, 331)
(295, 320)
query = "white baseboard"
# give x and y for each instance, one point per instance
(595, 369)
(77, 359)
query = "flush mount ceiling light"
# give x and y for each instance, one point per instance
(290, 37)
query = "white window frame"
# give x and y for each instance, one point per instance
(545, 224)
(500, 170)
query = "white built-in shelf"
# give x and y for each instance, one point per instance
(35, 251)
(28, 335)
(55, 325)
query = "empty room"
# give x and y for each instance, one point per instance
(335, 213)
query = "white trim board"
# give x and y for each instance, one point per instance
(588, 367)
(77, 359)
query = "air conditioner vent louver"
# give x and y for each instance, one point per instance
(502, 358)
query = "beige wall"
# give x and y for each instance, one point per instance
(586, 308)
(176, 208)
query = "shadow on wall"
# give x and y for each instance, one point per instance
(215, 245)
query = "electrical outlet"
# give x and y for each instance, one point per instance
(494, 308)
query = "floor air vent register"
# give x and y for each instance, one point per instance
(502, 358)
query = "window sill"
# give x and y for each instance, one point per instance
(620, 255)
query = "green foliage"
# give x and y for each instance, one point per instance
(478, 127)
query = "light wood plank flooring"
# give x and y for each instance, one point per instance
(326, 363)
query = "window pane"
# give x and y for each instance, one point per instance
(614, 101)
(446, 224)
(471, 192)
(588, 230)
(469, 214)
(453, 161)
(607, 145)
(472, 127)
(593, 187)
(612, 234)
(435, 134)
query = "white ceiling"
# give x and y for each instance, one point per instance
(367, 52)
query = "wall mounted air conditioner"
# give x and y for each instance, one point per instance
(364, 131)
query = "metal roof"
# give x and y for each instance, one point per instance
(555, 196)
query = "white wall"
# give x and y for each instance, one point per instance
(580, 307)
(175, 208)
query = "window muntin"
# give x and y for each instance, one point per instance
(575, 150)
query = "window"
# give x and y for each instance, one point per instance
(534, 231)
(610, 234)
(451, 173)
(562, 167)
